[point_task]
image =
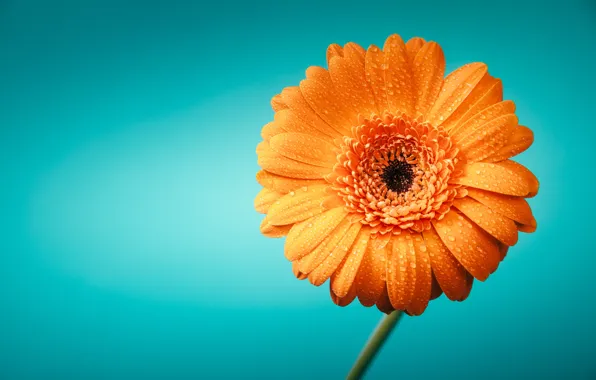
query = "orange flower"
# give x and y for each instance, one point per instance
(391, 180)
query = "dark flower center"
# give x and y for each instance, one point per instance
(398, 176)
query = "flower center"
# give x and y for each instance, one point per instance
(398, 175)
(393, 173)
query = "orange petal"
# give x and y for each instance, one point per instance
(506, 177)
(335, 256)
(456, 87)
(342, 279)
(401, 270)
(276, 163)
(413, 46)
(453, 278)
(375, 68)
(293, 97)
(370, 279)
(288, 121)
(398, 76)
(334, 50)
(299, 275)
(384, 303)
(333, 201)
(520, 140)
(262, 147)
(277, 103)
(343, 301)
(527, 228)
(307, 235)
(317, 73)
(271, 129)
(311, 260)
(424, 279)
(479, 120)
(515, 208)
(428, 68)
(521, 170)
(265, 198)
(329, 103)
(488, 138)
(298, 205)
(475, 249)
(355, 52)
(272, 231)
(347, 74)
(498, 226)
(304, 148)
(284, 184)
(486, 93)
(435, 291)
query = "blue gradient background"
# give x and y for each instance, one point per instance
(129, 244)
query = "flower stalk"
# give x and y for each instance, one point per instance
(374, 344)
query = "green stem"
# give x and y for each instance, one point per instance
(374, 344)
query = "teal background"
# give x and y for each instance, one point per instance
(129, 244)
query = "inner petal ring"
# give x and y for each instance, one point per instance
(393, 171)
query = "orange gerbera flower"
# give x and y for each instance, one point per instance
(392, 180)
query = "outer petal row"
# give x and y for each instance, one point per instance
(399, 272)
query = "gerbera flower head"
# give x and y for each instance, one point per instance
(391, 180)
